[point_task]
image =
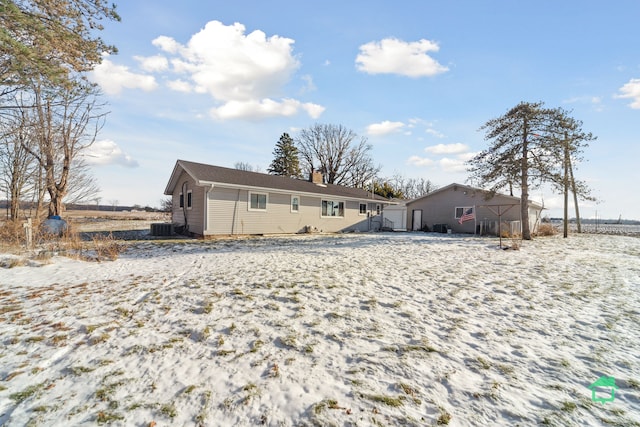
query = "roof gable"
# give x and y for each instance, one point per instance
(204, 174)
(455, 186)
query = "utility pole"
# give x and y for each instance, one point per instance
(566, 186)
(575, 197)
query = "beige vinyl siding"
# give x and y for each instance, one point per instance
(229, 213)
(439, 208)
(195, 215)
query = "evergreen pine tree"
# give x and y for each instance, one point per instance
(285, 160)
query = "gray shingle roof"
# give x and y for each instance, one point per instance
(205, 174)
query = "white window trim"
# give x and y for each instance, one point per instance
(464, 209)
(366, 209)
(249, 208)
(291, 203)
(333, 201)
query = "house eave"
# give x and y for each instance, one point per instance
(284, 191)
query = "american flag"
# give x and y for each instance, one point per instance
(467, 216)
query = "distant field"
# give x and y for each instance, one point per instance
(87, 221)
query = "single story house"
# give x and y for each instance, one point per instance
(442, 209)
(212, 200)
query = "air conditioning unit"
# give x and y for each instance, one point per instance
(162, 229)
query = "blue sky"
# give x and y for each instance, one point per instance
(219, 82)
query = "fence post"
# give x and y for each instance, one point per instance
(28, 229)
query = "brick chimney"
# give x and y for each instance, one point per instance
(315, 177)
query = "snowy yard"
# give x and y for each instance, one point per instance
(380, 329)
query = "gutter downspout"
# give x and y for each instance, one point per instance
(235, 211)
(206, 208)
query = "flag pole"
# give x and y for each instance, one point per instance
(475, 220)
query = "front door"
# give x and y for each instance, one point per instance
(417, 220)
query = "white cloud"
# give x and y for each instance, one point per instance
(434, 132)
(393, 56)
(447, 148)
(631, 90)
(107, 152)
(452, 165)
(264, 109)
(309, 86)
(180, 86)
(243, 72)
(167, 44)
(420, 161)
(154, 63)
(384, 127)
(114, 78)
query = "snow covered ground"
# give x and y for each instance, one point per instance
(374, 329)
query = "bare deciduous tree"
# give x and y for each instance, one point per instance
(65, 122)
(412, 188)
(17, 167)
(335, 152)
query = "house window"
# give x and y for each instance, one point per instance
(295, 204)
(257, 202)
(181, 200)
(363, 208)
(461, 211)
(332, 209)
(189, 199)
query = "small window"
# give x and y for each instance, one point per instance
(257, 202)
(363, 208)
(295, 204)
(461, 211)
(181, 200)
(189, 199)
(332, 209)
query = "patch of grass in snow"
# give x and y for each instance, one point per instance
(23, 395)
(105, 392)
(79, 370)
(406, 348)
(320, 407)
(207, 306)
(251, 390)
(256, 345)
(289, 341)
(9, 309)
(635, 384)
(444, 418)
(99, 339)
(568, 406)
(59, 339)
(394, 402)
(505, 369)
(411, 391)
(169, 410)
(206, 402)
(105, 417)
(124, 312)
(484, 364)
